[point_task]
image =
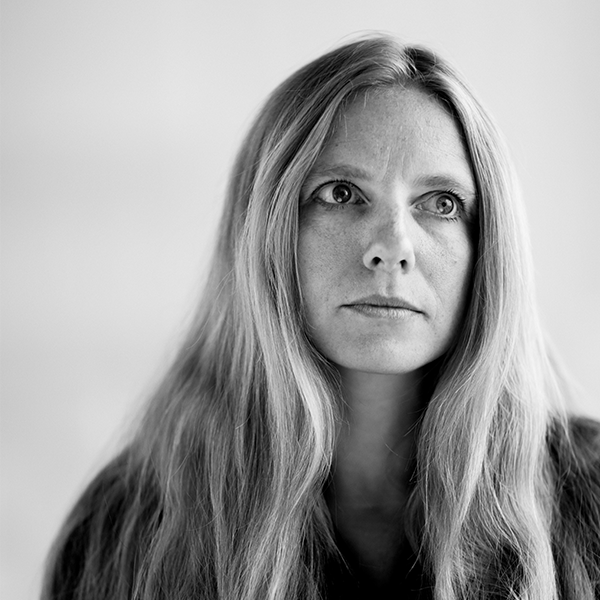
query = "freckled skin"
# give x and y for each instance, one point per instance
(392, 147)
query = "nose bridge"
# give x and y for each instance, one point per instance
(392, 221)
(391, 244)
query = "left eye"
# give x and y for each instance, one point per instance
(338, 192)
(444, 205)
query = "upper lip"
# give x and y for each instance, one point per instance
(385, 301)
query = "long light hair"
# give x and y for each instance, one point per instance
(219, 494)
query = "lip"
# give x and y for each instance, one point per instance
(378, 301)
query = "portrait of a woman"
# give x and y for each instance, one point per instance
(366, 406)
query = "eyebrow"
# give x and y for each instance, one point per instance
(342, 170)
(448, 182)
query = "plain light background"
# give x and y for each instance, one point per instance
(119, 124)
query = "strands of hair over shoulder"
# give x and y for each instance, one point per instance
(219, 493)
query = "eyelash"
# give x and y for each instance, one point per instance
(456, 197)
(334, 205)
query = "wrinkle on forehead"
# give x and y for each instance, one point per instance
(403, 94)
(415, 113)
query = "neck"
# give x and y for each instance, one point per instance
(373, 462)
(376, 440)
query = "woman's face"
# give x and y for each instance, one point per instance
(385, 249)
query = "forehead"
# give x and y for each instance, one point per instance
(397, 129)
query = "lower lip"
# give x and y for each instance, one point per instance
(383, 312)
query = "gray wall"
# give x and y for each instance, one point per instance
(120, 120)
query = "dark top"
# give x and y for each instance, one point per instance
(343, 581)
(576, 534)
(101, 512)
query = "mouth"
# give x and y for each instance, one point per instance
(390, 302)
(388, 307)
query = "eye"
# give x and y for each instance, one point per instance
(338, 192)
(443, 204)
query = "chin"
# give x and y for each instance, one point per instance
(386, 364)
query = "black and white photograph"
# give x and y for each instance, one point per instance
(300, 300)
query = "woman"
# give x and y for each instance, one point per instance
(365, 405)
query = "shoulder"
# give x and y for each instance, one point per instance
(578, 474)
(575, 452)
(575, 457)
(95, 554)
(585, 436)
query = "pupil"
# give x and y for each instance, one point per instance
(341, 193)
(445, 205)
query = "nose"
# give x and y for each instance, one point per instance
(391, 246)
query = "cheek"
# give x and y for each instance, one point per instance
(446, 263)
(326, 261)
(322, 251)
(310, 265)
(312, 255)
(452, 272)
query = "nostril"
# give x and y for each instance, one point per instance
(390, 254)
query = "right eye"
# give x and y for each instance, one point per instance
(338, 192)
